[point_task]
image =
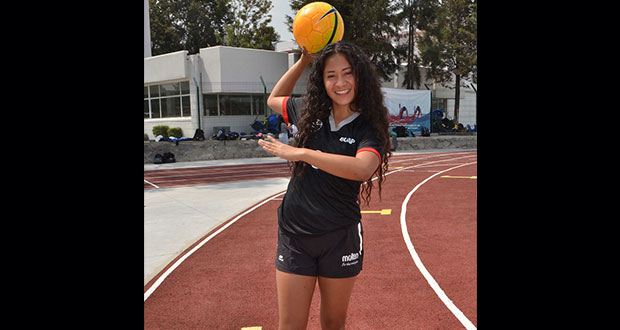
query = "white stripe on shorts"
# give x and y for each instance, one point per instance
(359, 231)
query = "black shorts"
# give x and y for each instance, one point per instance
(336, 254)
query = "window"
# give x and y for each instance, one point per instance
(185, 87)
(185, 106)
(167, 100)
(154, 91)
(258, 104)
(170, 107)
(210, 102)
(240, 105)
(224, 104)
(146, 109)
(169, 89)
(155, 109)
(233, 104)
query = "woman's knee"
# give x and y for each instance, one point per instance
(333, 322)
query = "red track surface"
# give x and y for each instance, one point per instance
(229, 283)
(213, 174)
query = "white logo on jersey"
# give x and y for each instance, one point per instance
(347, 140)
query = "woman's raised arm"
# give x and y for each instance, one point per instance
(284, 86)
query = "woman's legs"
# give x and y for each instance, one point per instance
(336, 277)
(294, 298)
(335, 294)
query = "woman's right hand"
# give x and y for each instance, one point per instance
(307, 57)
(284, 86)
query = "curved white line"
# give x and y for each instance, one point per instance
(148, 292)
(152, 184)
(160, 279)
(403, 225)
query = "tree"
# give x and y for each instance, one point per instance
(250, 28)
(187, 24)
(414, 15)
(370, 24)
(164, 37)
(449, 46)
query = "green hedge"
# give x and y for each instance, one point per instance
(161, 130)
(177, 132)
(167, 132)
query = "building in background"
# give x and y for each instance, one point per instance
(147, 30)
(227, 87)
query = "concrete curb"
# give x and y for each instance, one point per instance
(187, 151)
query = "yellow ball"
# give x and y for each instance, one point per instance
(316, 25)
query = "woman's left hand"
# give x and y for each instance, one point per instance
(281, 150)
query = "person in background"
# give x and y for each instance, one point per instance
(283, 137)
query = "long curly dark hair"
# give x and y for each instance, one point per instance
(368, 102)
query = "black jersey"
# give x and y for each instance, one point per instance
(318, 202)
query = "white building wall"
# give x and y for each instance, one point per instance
(242, 69)
(237, 70)
(467, 107)
(239, 124)
(163, 68)
(184, 123)
(210, 70)
(301, 85)
(223, 69)
(166, 67)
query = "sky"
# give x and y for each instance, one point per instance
(280, 9)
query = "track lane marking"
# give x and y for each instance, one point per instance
(460, 176)
(416, 259)
(161, 278)
(152, 184)
(382, 212)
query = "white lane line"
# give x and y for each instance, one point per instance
(152, 184)
(416, 259)
(427, 156)
(424, 165)
(160, 279)
(189, 253)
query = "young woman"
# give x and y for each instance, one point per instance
(343, 141)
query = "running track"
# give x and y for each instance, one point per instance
(420, 262)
